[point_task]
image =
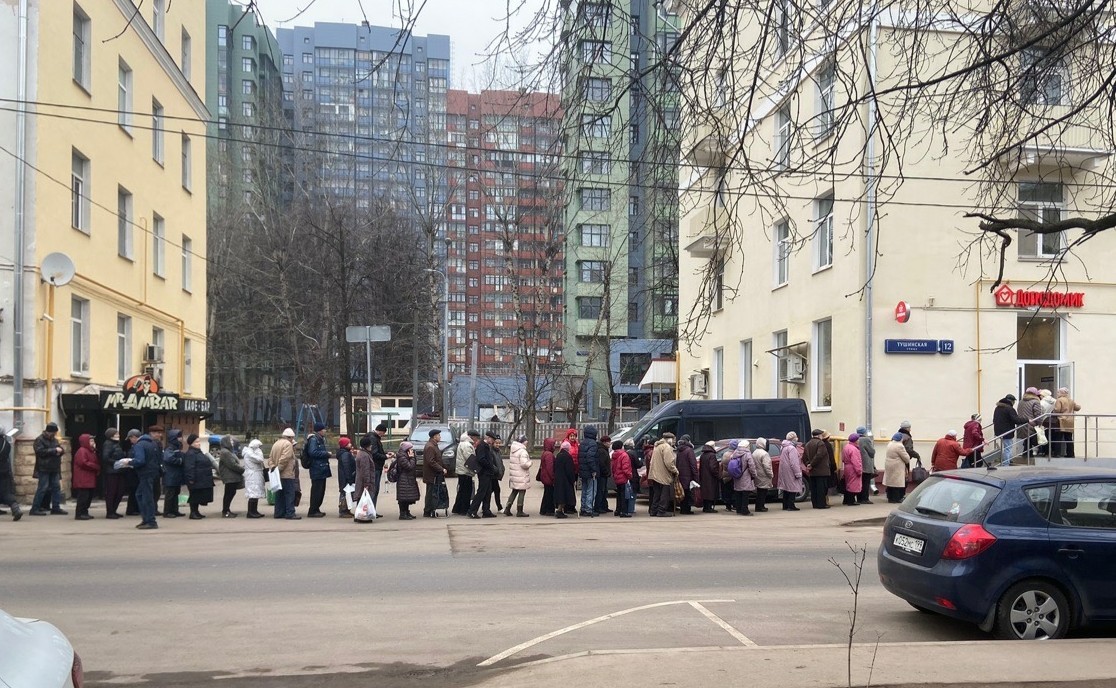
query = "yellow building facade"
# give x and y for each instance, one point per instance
(103, 129)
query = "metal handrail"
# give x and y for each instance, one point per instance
(1036, 422)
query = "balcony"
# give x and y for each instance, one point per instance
(705, 147)
(1074, 143)
(704, 229)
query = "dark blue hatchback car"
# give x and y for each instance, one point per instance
(1027, 552)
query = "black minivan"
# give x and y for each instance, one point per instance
(722, 419)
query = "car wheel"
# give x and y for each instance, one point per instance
(1032, 610)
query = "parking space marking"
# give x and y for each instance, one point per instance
(562, 631)
(743, 639)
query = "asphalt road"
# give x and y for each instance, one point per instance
(321, 602)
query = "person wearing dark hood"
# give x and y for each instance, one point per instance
(86, 468)
(112, 480)
(465, 470)
(7, 481)
(131, 478)
(319, 469)
(255, 475)
(485, 458)
(687, 473)
(589, 469)
(817, 461)
(230, 468)
(546, 477)
(172, 472)
(48, 470)
(406, 486)
(1005, 423)
(197, 469)
(565, 475)
(709, 472)
(147, 460)
(346, 475)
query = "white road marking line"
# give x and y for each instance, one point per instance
(554, 634)
(744, 640)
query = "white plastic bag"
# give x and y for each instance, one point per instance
(273, 478)
(1040, 436)
(365, 508)
(349, 490)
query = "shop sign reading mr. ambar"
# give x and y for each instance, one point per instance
(140, 393)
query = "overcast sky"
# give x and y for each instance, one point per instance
(470, 24)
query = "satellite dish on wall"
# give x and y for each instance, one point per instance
(57, 269)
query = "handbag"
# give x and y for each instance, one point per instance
(919, 474)
(679, 494)
(273, 478)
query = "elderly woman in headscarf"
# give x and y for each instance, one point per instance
(765, 476)
(406, 484)
(255, 472)
(565, 497)
(742, 468)
(897, 467)
(709, 472)
(852, 470)
(790, 471)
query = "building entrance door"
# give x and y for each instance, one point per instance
(1039, 351)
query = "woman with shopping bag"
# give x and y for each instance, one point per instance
(365, 481)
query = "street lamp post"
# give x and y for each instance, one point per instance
(445, 343)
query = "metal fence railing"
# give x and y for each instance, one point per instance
(1093, 438)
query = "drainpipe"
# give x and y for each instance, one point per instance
(18, 310)
(870, 234)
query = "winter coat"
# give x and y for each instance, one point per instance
(765, 476)
(1063, 406)
(497, 463)
(254, 470)
(908, 444)
(1005, 418)
(147, 457)
(365, 474)
(973, 435)
(282, 456)
(687, 465)
(589, 465)
(564, 477)
(709, 474)
(47, 457)
(818, 458)
(172, 460)
(546, 463)
(346, 468)
(465, 449)
(111, 452)
(622, 470)
(1030, 409)
(197, 469)
(86, 465)
(319, 457)
(486, 460)
(867, 447)
(664, 464)
(896, 464)
(852, 467)
(637, 462)
(230, 469)
(432, 466)
(604, 460)
(519, 467)
(946, 453)
(790, 468)
(379, 455)
(747, 480)
(571, 437)
(406, 487)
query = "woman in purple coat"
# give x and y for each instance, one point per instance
(853, 470)
(790, 471)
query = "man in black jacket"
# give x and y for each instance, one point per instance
(48, 466)
(588, 469)
(346, 475)
(7, 484)
(486, 475)
(379, 458)
(1005, 421)
(147, 460)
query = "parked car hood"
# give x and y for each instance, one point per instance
(35, 653)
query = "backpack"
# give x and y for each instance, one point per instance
(304, 455)
(736, 468)
(393, 471)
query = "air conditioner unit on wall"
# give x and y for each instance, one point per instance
(793, 369)
(152, 354)
(699, 385)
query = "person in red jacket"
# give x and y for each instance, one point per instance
(622, 475)
(571, 437)
(86, 469)
(974, 439)
(546, 477)
(946, 453)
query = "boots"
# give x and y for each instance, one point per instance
(520, 513)
(507, 510)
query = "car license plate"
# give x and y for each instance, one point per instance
(908, 544)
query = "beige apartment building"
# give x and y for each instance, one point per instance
(793, 312)
(102, 218)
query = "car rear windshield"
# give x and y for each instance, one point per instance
(951, 499)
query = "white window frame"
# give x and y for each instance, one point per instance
(158, 246)
(780, 340)
(158, 139)
(827, 94)
(1031, 245)
(82, 48)
(79, 191)
(717, 374)
(1050, 87)
(187, 163)
(745, 391)
(817, 367)
(125, 221)
(123, 347)
(784, 27)
(79, 336)
(823, 233)
(784, 132)
(159, 19)
(187, 366)
(187, 264)
(124, 84)
(718, 284)
(187, 55)
(782, 246)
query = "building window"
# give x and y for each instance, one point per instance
(156, 132)
(187, 264)
(248, 43)
(187, 164)
(187, 366)
(247, 65)
(784, 26)
(1041, 202)
(248, 87)
(222, 36)
(81, 47)
(598, 90)
(79, 336)
(633, 206)
(596, 52)
(827, 81)
(158, 341)
(782, 253)
(823, 232)
(594, 162)
(719, 284)
(633, 312)
(595, 15)
(633, 367)
(124, 239)
(158, 246)
(159, 19)
(123, 348)
(248, 109)
(783, 132)
(633, 134)
(124, 96)
(589, 307)
(1044, 77)
(186, 59)
(596, 126)
(745, 391)
(307, 77)
(823, 364)
(782, 364)
(79, 194)
(308, 58)
(592, 271)
(288, 60)
(595, 199)
(717, 374)
(595, 235)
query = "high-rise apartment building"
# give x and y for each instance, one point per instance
(620, 158)
(505, 228)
